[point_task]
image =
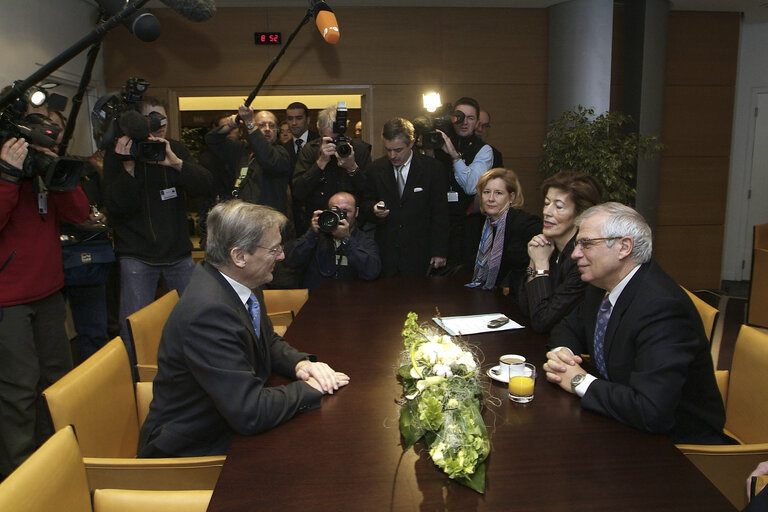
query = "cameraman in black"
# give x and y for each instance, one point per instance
(145, 203)
(34, 349)
(333, 248)
(327, 165)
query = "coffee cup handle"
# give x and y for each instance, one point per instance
(496, 370)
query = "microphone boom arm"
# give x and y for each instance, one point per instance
(274, 62)
(94, 36)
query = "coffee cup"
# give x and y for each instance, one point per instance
(505, 362)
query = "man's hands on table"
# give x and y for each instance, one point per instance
(321, 376)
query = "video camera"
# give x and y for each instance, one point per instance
(117, 114)
(57, 173)
(343, 144)
(442, 119)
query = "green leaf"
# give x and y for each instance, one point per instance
(477, 481)
(410, 428)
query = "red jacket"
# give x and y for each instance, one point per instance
(35, 271)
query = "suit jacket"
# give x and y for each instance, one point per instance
(521, 226)
(291, 147)
(660, 373)
(548, 299)
(416, 228)
(212, 370)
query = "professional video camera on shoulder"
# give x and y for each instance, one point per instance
(117, 114)
(57, 173)
(343, 144)
(443, 119)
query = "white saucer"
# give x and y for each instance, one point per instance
(495, 377)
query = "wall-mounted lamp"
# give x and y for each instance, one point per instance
(431, 101)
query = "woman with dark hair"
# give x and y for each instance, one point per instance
(554, 286)
(501, 254)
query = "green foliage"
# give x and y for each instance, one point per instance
(193, 138)
(606, 146)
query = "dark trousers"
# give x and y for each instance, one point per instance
(34, 353)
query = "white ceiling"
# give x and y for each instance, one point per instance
(755, 11)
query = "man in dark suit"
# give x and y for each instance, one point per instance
(410, 211)
(218, 347)
(652, 366)
(297, 116)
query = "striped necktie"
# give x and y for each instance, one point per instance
(603, 315)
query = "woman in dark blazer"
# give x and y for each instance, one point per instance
(554, 287)
(502, 254)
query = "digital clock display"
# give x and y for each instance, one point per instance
(267, 38)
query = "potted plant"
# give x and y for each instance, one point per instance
(605, 146)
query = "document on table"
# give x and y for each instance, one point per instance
(473, 324)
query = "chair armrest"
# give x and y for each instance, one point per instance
(183, 473)
(124, 500)
(146, 372)
(727, 466)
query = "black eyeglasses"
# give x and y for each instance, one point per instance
(586, 243)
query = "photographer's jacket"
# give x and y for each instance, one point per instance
(34, 272)
(147, 210)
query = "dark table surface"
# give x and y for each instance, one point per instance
(548, 455)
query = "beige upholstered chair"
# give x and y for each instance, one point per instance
(54, 478)
(97, 397)
(707, 313)
(146, 326)
(128, 500)
(283, 306)
(746, 419)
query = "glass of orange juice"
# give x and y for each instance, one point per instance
(522, 377)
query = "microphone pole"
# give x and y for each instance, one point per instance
(77, 99)
(277, 58)
(95, 36)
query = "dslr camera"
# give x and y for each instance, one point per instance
(343, 144)
(329, 219)
(57, 173)
(110, 122)
(442, 119)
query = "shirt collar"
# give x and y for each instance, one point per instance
(614, 295)
(243, 292)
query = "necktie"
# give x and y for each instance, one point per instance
(603, 315)
(400, 180)
(299, 143)
(253, 309)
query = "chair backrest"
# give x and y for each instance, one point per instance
(146, 327)
(52, 478)
(143, 399)
(285, 300)
(97, 397)
(707, 313)
(129, 500)
(746, 412)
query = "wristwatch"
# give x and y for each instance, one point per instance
(250, 125)
(576, 380)
(536, 273)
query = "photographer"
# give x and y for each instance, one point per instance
(322, 169)
(34, 349)
(344, 252)
(145, 202)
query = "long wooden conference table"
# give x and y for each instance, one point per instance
(548, 455)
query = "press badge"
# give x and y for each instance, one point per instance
(243, 174)
(168, 193)
(453, 196)
(42, 202)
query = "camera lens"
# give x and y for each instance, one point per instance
(328, 220)
(344, 149)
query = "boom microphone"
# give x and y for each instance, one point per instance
(325, 21)
(141, 23)
(134, 125)
(193, 10)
